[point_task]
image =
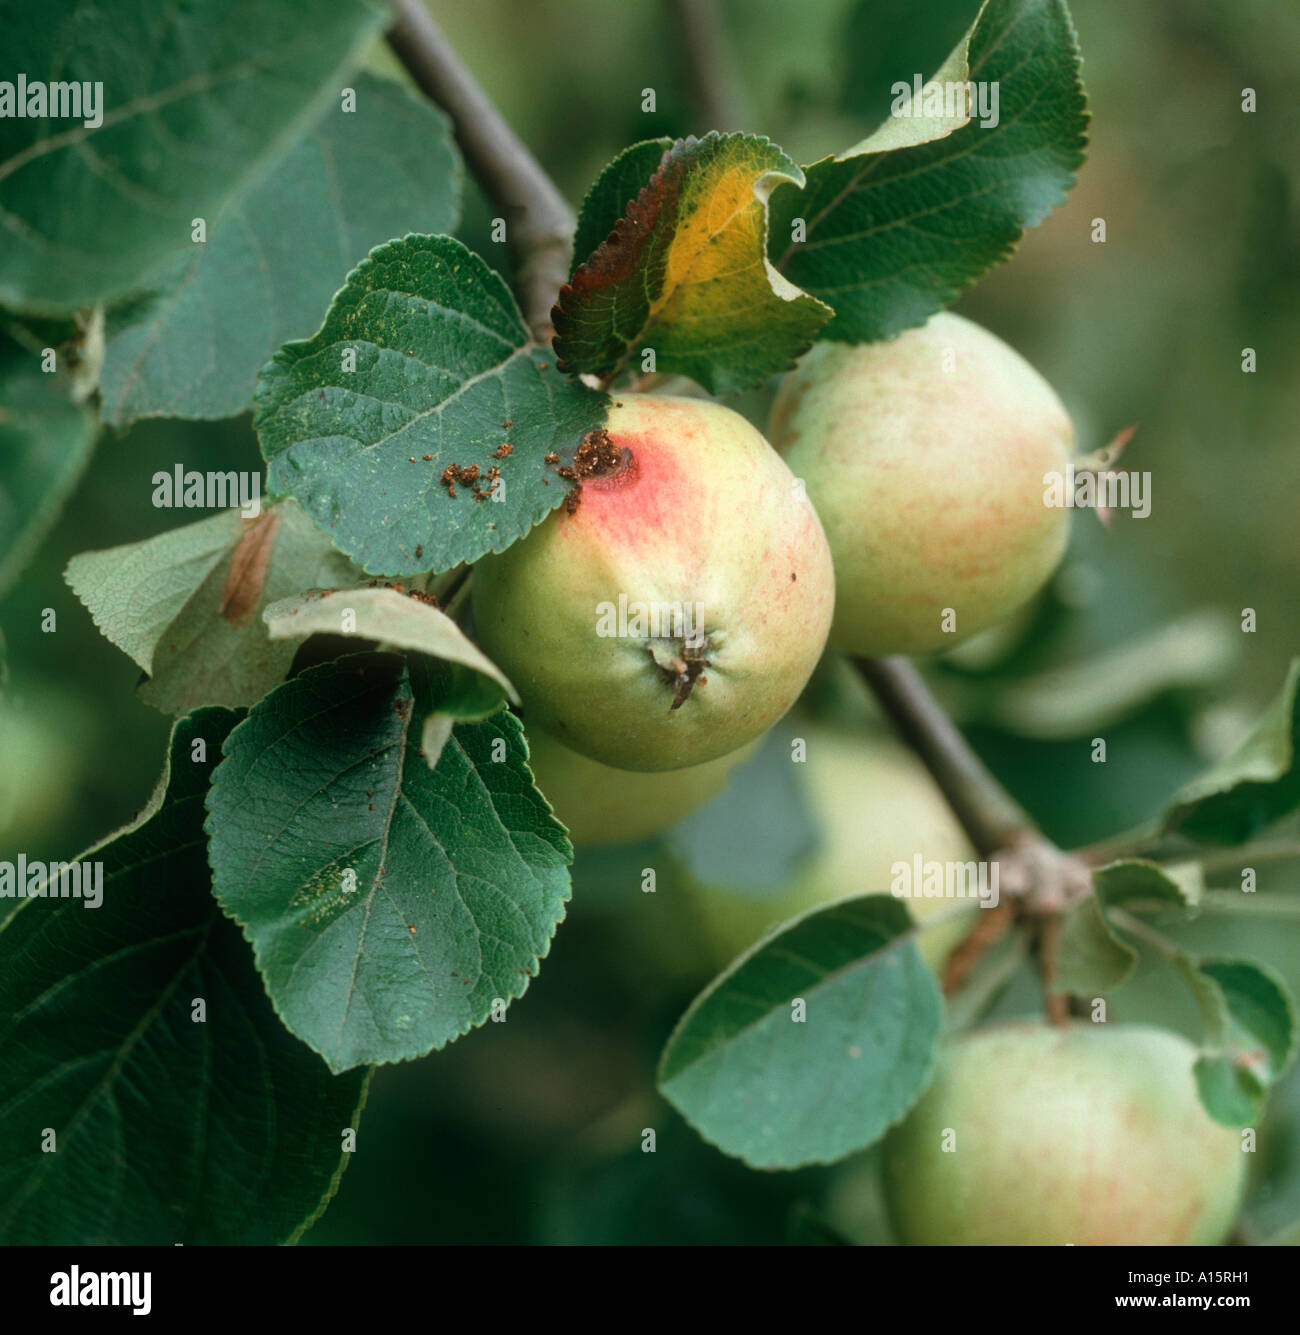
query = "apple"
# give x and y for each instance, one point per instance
(877, 805)
(1085, 1134)
(677, 610)
(925, 457)
(603, 805)
(42, 751)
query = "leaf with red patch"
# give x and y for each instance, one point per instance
(684, 271)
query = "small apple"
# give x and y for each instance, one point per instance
(603, 805)
(925, 457)
(42, 755)
(677, 610)
(1085, 1134)
(877, 805)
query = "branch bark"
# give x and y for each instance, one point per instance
(710, 70)
(988, 813)
(539, 221)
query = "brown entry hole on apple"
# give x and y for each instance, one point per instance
(602, 463)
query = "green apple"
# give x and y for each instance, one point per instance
(677, 611)
(41, 755)
(603, 805)
(1091, 1135)
(926, 458)
(877, 806)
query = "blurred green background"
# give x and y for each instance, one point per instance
(529, 1131)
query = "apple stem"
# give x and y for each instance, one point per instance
(539, 220)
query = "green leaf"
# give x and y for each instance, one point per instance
(45, 444)
(1135, 883)
(185, 605)
(886, 41)
(443, 362)
(1255, 786)
(397, 621)
(685, 272)
(197, 101)
(893, 236)
(1249, 1020)
(1231, 1094)
(469, 685)
(390, 906)
(1262, 1010)
(1088, 695)
(616, 187)
(277, 253)
(927, 124)
(780, 1093)
(758, 832)
(170, 1128)
(1093, 960)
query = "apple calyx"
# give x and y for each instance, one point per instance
(681, 663)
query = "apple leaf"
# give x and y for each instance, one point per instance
(1261, 1009)
(684, 270)
(890, 235)
(616, 187)
(45, 444)
(390, 906)
(445, 375)
(1090, 693)
(140, 1035)
(278, 251)
(813, 1043)
(885, 41)
(1093, 961)
(1249, 1021)
(196, 103)
(185, 605)
(1135, 883)
(1255, 786)
(1094, 958)
(758, 832)
(1232, 1094)
(473, 687)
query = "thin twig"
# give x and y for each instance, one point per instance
(711, 73)
(539, 221)
(988, 813)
